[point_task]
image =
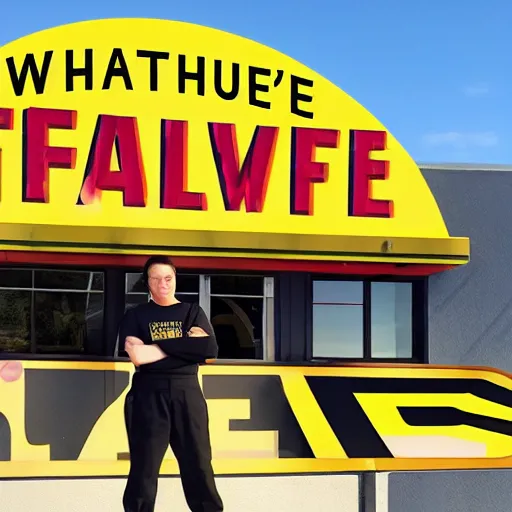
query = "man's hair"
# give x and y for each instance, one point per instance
(156, 260)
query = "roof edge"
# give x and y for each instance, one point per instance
(464, 167)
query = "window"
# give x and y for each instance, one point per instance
(237, 315)
(391, 320)
(338, 319)
(362, 320)
(51, 311)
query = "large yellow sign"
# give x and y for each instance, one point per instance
(165, 134)
(66, 419)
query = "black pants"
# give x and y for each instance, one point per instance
(168, 410)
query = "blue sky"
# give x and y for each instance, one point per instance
(437, 73)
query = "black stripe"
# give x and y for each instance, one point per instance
(347, 419)
(359, 438)
(451, 416)
(270, 409)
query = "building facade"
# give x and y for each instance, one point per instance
(469, 324)
(334, 271)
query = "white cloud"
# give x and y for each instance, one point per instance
(473, 90)
(461, 140)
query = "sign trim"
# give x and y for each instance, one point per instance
(236, 244)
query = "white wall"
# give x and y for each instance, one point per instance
(256, 494)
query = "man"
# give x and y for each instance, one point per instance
(166, 340)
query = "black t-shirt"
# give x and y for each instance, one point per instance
(167, 326)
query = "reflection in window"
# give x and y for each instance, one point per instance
(236, 314)
(391, 319)
(236, 285)
(338, 292)
(134, 299)
(337, 331)
(134, 283)
(238, 323)
(15, 320)
(15, 278)
(64, 280)
(60, 321)
(51, 311)
(339, 312)
(337, 319)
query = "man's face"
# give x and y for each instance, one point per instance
(162, 281)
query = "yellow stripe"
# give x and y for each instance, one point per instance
(389, 371)
(40, 469)
(77, 365)
(312, 421)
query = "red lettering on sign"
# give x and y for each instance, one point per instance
(6, 118)
(123, 134)
(305, 171)
(6, 123)
(362, 169)
(249, 182)
(38, 155)
(174, 169)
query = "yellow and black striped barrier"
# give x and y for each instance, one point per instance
(65, 419)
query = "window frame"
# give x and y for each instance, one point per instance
(278, 348)
(33, 354)
(419, 319)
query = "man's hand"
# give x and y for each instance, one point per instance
(10, 371)
(197, 332)
(132, 341)
(132, 344)
(139, 353)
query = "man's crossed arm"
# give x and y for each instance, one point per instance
(200, 350)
